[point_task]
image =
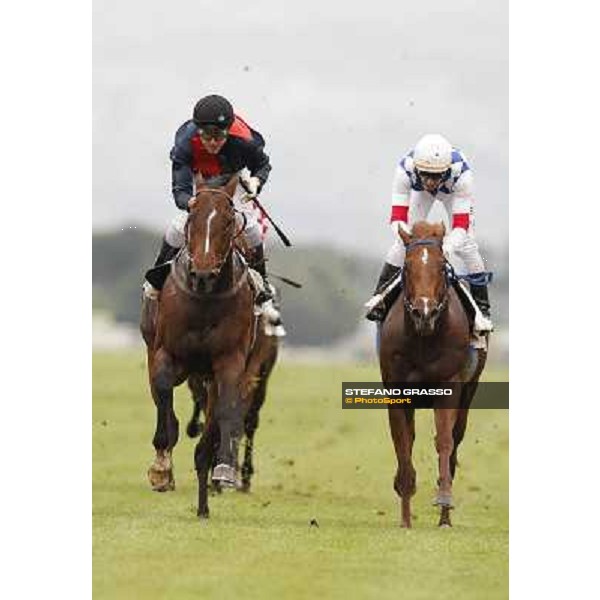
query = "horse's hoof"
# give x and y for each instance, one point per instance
(203, 514)
(160, 475)
(161, 481)
(445, 517)
(216, 487)
(225, 475)
(244, 487)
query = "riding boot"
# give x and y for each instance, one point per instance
(265, 299)
(259, 264)
(166, 253)
(153, 286)
(380, 310)
(481, 297)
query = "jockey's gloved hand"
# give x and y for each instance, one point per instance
(402, 226)
(453, 240)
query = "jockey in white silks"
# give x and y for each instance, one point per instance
(435, 170)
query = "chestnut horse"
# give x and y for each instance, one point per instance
(425, 338)
(202, 326)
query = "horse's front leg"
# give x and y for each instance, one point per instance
(402, 427)
(162, 379)
(445, 418)
(229, 414)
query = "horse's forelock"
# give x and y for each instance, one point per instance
(209, 198)
(423, 230)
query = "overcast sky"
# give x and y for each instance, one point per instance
(339, 96)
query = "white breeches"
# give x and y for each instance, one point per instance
(174, 235)
(420, 207)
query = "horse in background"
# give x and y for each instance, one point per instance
(254, 389)
(202, 327)
(425, 338)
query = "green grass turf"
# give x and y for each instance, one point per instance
(313, 461)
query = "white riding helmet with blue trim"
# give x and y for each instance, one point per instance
(433, 154)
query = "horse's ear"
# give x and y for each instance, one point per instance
(439, 230)
(403, 233)
(231, 185)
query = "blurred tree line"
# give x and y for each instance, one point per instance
(326, 309)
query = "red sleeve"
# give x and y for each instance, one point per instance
(461, 220)
(399, 213)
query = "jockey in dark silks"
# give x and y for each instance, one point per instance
(217, 142)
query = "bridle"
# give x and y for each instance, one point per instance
(184, 281)
(217, 271)
(449, 274)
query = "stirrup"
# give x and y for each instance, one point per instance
(270, 312)
(479, 341)
(150, 291)
(482, 324)
(376, 309)
(272, 330)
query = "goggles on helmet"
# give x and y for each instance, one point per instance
(212, 132)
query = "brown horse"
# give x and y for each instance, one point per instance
(254, 390)
(425, 338)
(202, 326)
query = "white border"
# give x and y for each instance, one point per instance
(554, 233)
(46, 300)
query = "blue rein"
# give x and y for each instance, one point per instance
(417, 243)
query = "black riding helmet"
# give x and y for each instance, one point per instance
(213, 110)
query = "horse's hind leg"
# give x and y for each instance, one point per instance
(460, 426)
(160, 473)
(445, 419)
(402, 427)
(203, 458)
(250, 426)
(458, 433)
